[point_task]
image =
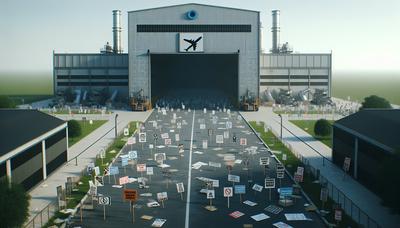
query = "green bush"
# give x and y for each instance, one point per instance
(14, 203)
(6, 102)
(74, 129)
(375, 102)
(322, 128)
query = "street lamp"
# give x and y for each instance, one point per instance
(281, 124)
(116, 131)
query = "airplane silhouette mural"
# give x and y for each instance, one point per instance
(193, 43)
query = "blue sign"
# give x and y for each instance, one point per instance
(240, 189)
(132, 155)
(114, 170)
(286, 191)
(124, 161)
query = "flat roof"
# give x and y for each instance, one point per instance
(379, 125)
(20, 126)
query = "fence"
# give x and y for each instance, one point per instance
(348, 206)
(41, 218)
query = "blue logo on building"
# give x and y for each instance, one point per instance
(191, 15)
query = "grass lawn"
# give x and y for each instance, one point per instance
(77, 196)
(309, 186)
(308, 126)
(86, 129)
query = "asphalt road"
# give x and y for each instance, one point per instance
(192, 213)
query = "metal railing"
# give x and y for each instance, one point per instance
(41, 218)
(348, 206)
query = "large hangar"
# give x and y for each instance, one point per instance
(194, 47)
(194, 50)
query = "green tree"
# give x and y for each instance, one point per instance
(374, 101)
(14, 203)
(74, 129)
(322, 128)
(6, 102)
(389, 177)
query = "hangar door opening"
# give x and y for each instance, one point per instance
(197, 80)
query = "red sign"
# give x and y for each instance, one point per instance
(243, 141)
(130, 194)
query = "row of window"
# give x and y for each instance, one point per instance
(193, 28)
(294, 76)
(92, 76)
(92, 83)
(293, 83)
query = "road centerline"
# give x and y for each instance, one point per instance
(189, 175)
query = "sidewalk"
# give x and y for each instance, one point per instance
(362, 197)
(45, 192)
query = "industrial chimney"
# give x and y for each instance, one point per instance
(117, 48)
(275, 31)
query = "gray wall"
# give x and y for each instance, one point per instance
(310, 69)
(91, 71)
(221, 42)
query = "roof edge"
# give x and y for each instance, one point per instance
(162, 7)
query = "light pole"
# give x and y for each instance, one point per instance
(281, 124)
(116, 131)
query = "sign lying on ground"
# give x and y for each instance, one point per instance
(257, 187)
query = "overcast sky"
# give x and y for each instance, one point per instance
(362, 34)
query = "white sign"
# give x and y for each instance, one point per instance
(141, 167)
(228, 125)
(191, 42)
(96, 171)
(284, 157)
(131, 140)
(104, 200)
(269, 182)
(228, 191)
(219, 139)
(160, 157)
(205, 144)
(300, 170)
(149, 171)
(214, 164)
(264, 161)
(202, 126)
(243, 141)
(126, 131)
(142, 137)
(180, 188)
(164, 135)
(162, 196)
(93, 190)
(132, 155)
(123, 180)
(177, 138)
(226, 134)
(168, 141)
(233, 178)
(257, 187)
(210, 194)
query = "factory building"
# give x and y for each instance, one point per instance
(32, 145)
(368, 138)
(192, 47)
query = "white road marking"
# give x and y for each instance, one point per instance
(189, 176)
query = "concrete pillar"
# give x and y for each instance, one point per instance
(44, 168)
(355, 163)
(8, 170)
(66, 138)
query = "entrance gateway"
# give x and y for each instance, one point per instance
(194, 50)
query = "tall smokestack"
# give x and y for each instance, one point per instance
(117, 49)
(275, 31)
